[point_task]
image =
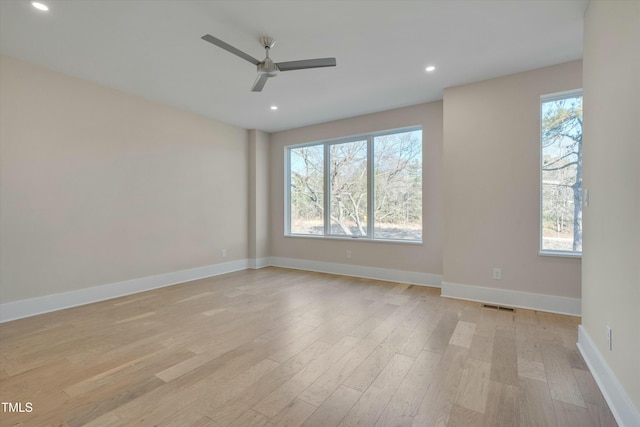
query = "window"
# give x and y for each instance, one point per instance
(307, 189)
(366, 187)
(561, 174)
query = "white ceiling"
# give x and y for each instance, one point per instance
(152, 48)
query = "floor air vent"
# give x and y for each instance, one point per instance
(498, 307)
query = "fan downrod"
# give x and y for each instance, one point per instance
(267, 67)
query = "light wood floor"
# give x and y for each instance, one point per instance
(284, 347)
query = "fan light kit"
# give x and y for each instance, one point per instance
(267, 68)
(430, 68)
(274, 107)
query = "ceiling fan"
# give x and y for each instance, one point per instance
(267, 68)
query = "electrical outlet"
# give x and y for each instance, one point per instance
(348, 254)
(609, 338)
(224, 253)
(497, 273)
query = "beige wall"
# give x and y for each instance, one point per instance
(258, 194)
(99, 186)
(611, 262)
(491, 184)
(424, 258)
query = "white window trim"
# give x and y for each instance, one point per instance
(369, 137)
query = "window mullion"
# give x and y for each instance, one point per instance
(327, 191)
(287, 192)
(370, 187)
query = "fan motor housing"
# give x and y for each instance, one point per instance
(267, 68)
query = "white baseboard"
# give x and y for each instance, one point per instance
(386, 274)
(550, 303)
(257, 263)
(33, 306)
(617, 399)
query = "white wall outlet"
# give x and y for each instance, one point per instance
(224, 253)
(497, 273)
(348, 254)
(609, 338)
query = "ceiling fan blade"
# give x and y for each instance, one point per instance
(229, 48)
(259, 83)
(306, 63)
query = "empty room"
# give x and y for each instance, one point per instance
(319, 213)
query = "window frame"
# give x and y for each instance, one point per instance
(574, 93)
(369, 138)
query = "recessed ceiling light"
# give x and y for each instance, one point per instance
(274, 107)
(40, 6)
(430, 68)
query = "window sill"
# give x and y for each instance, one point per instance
(561, 254)
(354, 239)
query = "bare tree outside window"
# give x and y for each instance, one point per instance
(561, 174)
(398, 186)
(306, 189)
(348, 181)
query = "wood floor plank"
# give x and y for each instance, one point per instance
(334, 408)
(109, 419)
(137, 317)
(277, 400)
(486, 324)
(263, 387)
(294, 414)
(503, 405)
(481, 347)
(214, 311)
(195, 297)
(371, 404)
(597, 406)
(328, 382)
(204, 422)
(186, 417)
(560, 376)
(252, 418)
(405, 321)
(290, 350)
(575, 359)
(527, 345)
(441, 391)
(474, 385)
(405, 402)
(183, 367)
(441, 335)
(238, 385)
(420, 335)
(530, 369)
(536, 407)
(382, 331)
(463, 417)
(504, 362)
(120, 375)
(369, 369)
(203, 387)
(569, 415)
(94, 410)
(463, 334)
